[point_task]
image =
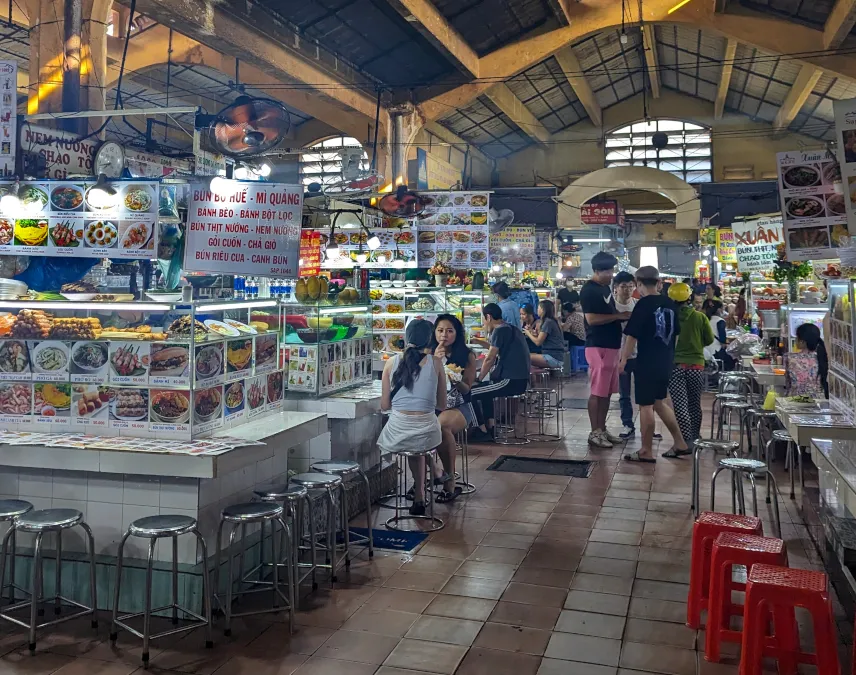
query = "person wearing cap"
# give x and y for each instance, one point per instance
(652, 331)
(510, 309)
(603, 345)
(413, 387)
(686, 382)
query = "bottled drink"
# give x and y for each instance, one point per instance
(239, 287)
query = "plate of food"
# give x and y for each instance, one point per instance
(99, 205)
(15, 399)
(100, 234)
(426, 254)
(79, 291)
(170, 407)
(31, 232)
(168, 361)
(266, 349)
(804, 207)
(57, 396)
(256, 394)
(14, 356)
(478, 218)
(66, 234)
(7, 230)
(89, 401)
(234, 397)
(274, 387)
(129, 405)
(478, 256)
(462, 237)
(50, 357)
(208, 404)
(801, 176)
(239, 354)
(127, 362)
(221, 328)
(33, 198)
(136, 236)
(404, 238)
(478, 200)
(89, 357)
(209, 362)
(479, 237)
(138, 199)
(809, 237)
(461, 255)
(67, 198)
(427, 237)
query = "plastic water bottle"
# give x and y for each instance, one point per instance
(239, 287)
(252, 288)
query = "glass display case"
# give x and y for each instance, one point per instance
(842, 367)
(468, 306)
(327, 347)
(163, 369)
(796, 315)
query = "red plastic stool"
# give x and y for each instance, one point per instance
(778, 590)
(708, 526)
(732, 548)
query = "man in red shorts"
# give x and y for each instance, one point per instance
(603, 344)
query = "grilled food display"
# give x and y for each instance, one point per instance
(31, 323)
(75, 329)
(182, 328)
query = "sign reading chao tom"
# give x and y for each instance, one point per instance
(253, 230)
(756, 239)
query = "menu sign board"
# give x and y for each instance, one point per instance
(395, 244)
(756, 240)
(310, 253)
(61, 219)
(514, 245)
(8, 116)
(725, 246)
(813, 208)
(600, 213)
(845, 130)
(255, 230)
(453, 229)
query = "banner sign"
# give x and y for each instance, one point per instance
(8, 116)
(845, 130)
(813, 208)
(707, 236)
(310, 253)
(58, 218)
(255, 230)
(395, 244)
(600, 213)
(725, 246)
(453, 229)
(514, 245)
(756, 239)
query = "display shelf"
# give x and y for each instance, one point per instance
(842, 356)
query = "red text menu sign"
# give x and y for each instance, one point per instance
(310, 253)
(253, 230)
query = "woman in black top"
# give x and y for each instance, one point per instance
(528, 322)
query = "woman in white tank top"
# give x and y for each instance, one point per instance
(413, 389)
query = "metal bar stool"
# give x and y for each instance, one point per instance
(329, 484)
(558, 375)
(248, 514)
(740, 381)
(463, 477)
(792, 456)
(433, 522)
(10, 509)
(508, 409)
(39, 523)
(755, 417)
(750, 468)
(728, 447)
(348, 471)
(297, 503)
(154, 528)
(540, 407)
(727, 410)
(719, 398)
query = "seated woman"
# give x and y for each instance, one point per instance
(413, 388)
(548, 337)
(716, 351)
(573, 323)
(806, 370)
(529, 322)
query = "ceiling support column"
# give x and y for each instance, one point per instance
(800, 91)
(725, 78)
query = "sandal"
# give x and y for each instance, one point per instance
(636, 457)
(676, 453)
(445, 496)
(410, 494)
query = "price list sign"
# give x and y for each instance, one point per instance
(253, 230)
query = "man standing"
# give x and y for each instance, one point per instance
(603, 345)
(509, 308)
(623, 286)
(652, 330)
(507, 364)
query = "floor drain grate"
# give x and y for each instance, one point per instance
(553, 467)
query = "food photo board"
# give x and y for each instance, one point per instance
(61, 219)
(453, 229)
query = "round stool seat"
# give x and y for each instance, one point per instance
(12, 508)
(737, 376)
(315, 481)
(49, 519)
(736, 405)
(731, 397)
(760, 412)
(412, 453)
(717, 445)
(743, 464)
(281, 492)
(164, 525)
(782, 435)
(251, 511)
(336, 468)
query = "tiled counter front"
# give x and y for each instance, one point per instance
(112, 489)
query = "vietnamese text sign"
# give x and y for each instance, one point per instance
(58, 218)
(514, 245)
(725, 246)
(454, 230)
(254, 230)
(756, 239)
(8, 116)
(600, 213)
(310, 253)
(845, 130)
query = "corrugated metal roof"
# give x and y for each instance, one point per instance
(690, 61)
(614, 71)
(486, 126)
(811, 12)
(544, 89)
(760, 82)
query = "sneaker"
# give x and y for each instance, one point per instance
(627, 432)
(612, 438)
(598, 439)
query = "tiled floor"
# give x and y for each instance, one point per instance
(532, 574)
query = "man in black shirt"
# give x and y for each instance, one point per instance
(652, 330)
(603, 342)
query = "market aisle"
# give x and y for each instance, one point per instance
(532, 575)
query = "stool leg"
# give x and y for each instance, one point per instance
(287, 556)
(786, 636)
(712, 415)
(778, 522)
(767, 448)
(754, 621)
(737, 480)
(241, 559)
(791, 445)
(346, 530)
(717, 602)
(798, 451)
(713, 488)
(331, 534)
(217, 544)
(147, 612)
(695, 506)
(13, 549)
(754, 494)
(58, 575)
(227, 605)
(824, 639)
(368, 511)
(174, 580)
(37, 583)
(207, 591)
(114, 629)
(93, 590)
(313, 547)
(9, 536)
(274, 565)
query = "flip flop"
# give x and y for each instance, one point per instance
(675, 453)
(635, 457)
(445, 496)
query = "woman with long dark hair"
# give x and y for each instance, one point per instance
(806, 370)
(413, 388)
(548, 337)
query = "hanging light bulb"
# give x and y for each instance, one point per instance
(332, 250)
(243, 173)
(10, 203)
(102, 194)
(495, 268)
(362, 257)
(559, 275)
(221, 186)
(265, 169)
(373, 242)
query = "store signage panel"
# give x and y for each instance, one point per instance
(725, 246)
(433, 173)
(756, 241)
(255, 230)
(310, 253)
(64, 153)
(57, 218)
(600, 213)
(813, 204)
(514, 244)
(395, 244)
(8, 116)
(845, 132)
(453, 229)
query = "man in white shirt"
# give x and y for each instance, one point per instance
(623, 286)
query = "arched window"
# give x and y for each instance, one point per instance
(325, 164)
(688, 154)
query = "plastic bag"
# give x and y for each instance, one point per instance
(770, 400)
(742, 345)
(49, 274)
